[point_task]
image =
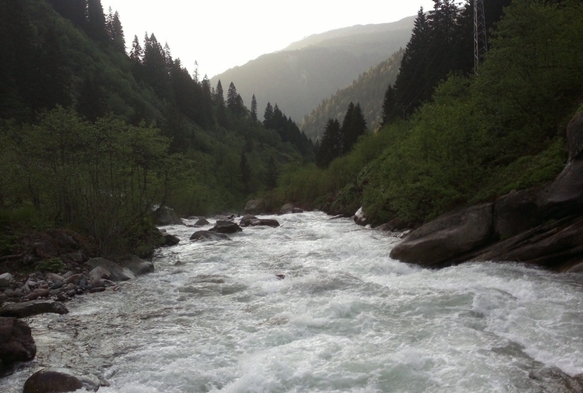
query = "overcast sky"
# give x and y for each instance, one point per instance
(221, 34)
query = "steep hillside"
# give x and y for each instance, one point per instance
(368, 90)
(299, 77)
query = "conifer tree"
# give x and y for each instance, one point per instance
(268, 116)
(330, 145)
(245, 174)
(115, 31)
(389, 106)
(353, 126)
(253, 108)
(96, 28)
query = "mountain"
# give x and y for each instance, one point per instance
(368, 90)
(300, 76)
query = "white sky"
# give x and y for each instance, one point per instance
(221, 34)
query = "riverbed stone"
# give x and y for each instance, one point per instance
(446, 237)
(288, 208)
(138, 266)
(225, 227)
(30, 308)
(52, 381)
(201, 222)
(38, 293)
(16, 343)
(165, 215)
(98, 273)
(118, 273)
(206, 236)
(5, 280)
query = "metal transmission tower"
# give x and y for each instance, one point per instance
(480, 39)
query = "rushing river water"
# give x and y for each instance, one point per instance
(214, 317)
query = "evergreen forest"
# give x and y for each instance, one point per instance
(93, 138)
(452, 136)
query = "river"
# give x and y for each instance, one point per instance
(215, 317)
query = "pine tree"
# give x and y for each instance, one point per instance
(268, 116)
(137, 53)
(234, 100)
(115, 31)
(353, 126)
(331, 144)
(96, 28)
(253, 108)
(389, 106)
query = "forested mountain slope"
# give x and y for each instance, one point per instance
(299, 77)
(91, 137)
(368, 90)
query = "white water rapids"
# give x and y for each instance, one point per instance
(346, 318)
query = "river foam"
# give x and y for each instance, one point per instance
(346, 318)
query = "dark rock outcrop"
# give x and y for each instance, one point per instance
(28, 309)
(206, 236)
(450, 235)
(16, 343)
(255, 206)
(225, 227)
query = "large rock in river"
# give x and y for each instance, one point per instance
(208, 236)
(225, 227)
(117, 272)
(57, 380)
(16, 343)
(165, 215)
(448, 236)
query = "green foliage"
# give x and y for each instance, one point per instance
(53, 265)
(480, 136)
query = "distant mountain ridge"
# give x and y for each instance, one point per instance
(368, 90)
(299, 77)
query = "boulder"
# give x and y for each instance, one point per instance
(117, 272)
(564, 196)
(225, 227)
(296, 210)
(246, 220)
(555, 245)
(268, 222)
(28, 309)
(16, 343)
(575, 137)
(138, 266)
(169, 240)
(206, 236)
(394, 225)
(450, 235)
(165, 215)
(255, 206)
(98, 273)
(514, 213)
(359, 218)
(201, 222)
(286, 209)
(39, 292)
(5, 280)
(56, 380)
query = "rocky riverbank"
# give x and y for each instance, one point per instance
(542, 227)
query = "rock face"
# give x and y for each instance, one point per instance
(28, 309)
(450, 235)
(255, 206)
(16, 343)
(166, 216)
(225, 227)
